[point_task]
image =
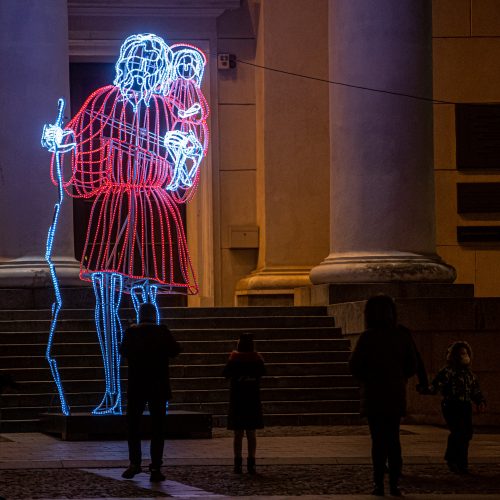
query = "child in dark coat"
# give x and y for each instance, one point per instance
(245, 368)
(459, 388)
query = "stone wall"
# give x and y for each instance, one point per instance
(466, 49)
(436, 323)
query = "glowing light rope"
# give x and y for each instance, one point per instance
(142, 293)
(188, 64)
(52, 136)
(183, 148)
(108, 292)
(135, 149)
(143, 67)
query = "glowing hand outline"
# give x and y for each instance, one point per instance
(193, 110)
(53, 136)
(182, 147)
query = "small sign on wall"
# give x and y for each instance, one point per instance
(243, 237)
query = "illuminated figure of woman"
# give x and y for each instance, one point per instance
(135, 149)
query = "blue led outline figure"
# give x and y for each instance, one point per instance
(52, 137)
(141, 71)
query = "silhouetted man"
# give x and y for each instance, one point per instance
(148, 347)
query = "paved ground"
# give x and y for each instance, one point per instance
(311, 462)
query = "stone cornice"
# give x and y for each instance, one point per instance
(171, 8)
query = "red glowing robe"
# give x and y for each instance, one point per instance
(135, 228)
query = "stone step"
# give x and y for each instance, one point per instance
(191, 396)
(183, 362)
(333, 356)
(38, 360)
(325, 406)
(49, 400)
(168, 312)
(306, 359)
(190, 371)
(293, 419)
(301, 419)
(292, 394)
(208, 383)
(232, 334)
(73, 297)
(274, 407)
(178, 323)
(199, 346)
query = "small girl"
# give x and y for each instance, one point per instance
(245, 368)
(459, 388)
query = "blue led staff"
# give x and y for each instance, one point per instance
(52, 138)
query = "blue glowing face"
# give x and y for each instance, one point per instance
(143, 67)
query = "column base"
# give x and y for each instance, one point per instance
(33, 272)
(271, 286)
(382, 268)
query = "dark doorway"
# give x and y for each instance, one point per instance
(85, 78)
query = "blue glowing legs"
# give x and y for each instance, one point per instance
(108, 289)
(143, 292)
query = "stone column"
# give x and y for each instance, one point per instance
(34, 74)
(382, 223)
(292, 148)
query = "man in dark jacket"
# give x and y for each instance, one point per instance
(148, 347)
(383, 360)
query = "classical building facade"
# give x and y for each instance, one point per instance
(306, 181)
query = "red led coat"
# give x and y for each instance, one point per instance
(121, 162)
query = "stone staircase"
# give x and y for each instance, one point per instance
(307, 382)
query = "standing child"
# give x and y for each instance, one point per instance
(459, 388)
(245, 368)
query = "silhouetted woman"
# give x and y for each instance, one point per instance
(383, 360)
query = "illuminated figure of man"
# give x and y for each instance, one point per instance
(135, 149)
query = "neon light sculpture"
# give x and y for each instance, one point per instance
(135, 149)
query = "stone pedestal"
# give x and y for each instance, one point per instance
(382, 221)
(339, 293)
(271, 286)
(35, 73)
(84, 426)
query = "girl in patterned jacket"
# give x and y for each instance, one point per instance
(459, 388)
